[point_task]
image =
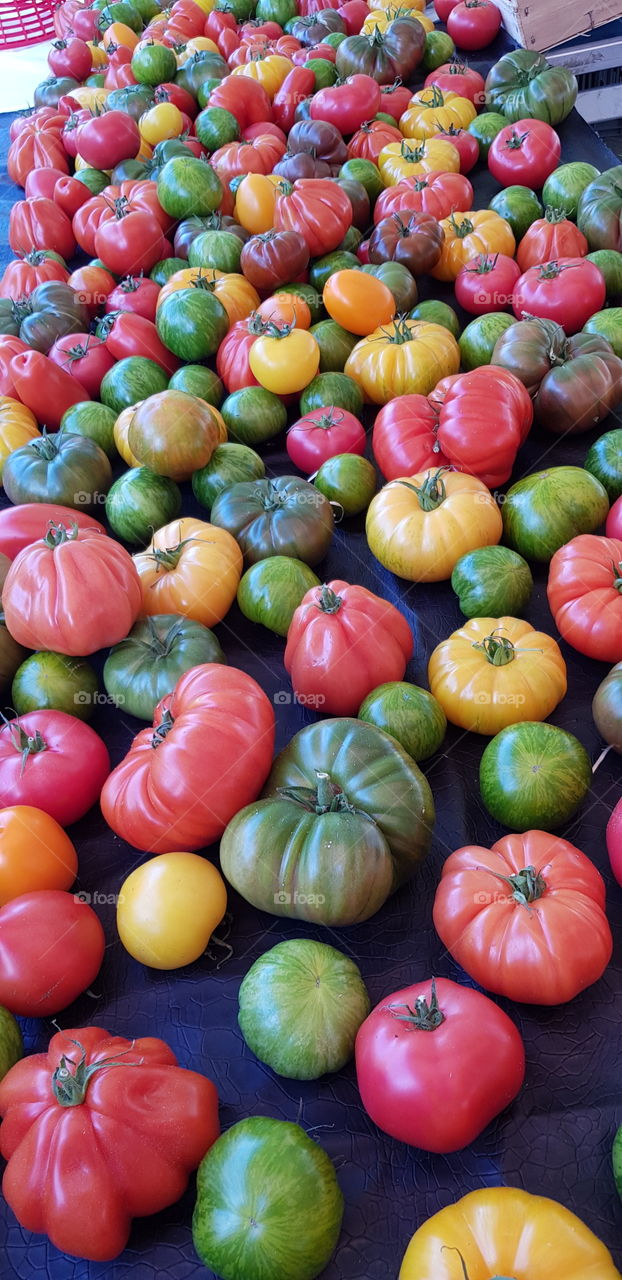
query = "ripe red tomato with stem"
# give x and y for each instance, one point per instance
(322, 434)
(466, 145)
(473, 24)
(404, 438)
(457, 77)
(524, 154)
(54, 762)
(568, 290)
(106, 140)
(584, 592)
(85, 357)
(70, 57)
(126, 333)
(130, 242)
(135, 293)
(486, 283)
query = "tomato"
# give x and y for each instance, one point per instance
(127, 333)
(40, 224)
(358, 302)
(129, 243)
(35, 853)
(492, 581)
(274, 258)
(208, 754)
(424, 1078)
(607, 708)
(70, 195)
(550, 238)
(51, 949)
(134, 293)
(507, 1231)
(271, 590)
(403, 356)
(17, 426)
(414, 240)
(547, 508)
(41, 182)
(613, 527)
(163, 121)
(473, 24)
(44, 387)
(371, 137)
(42, 593)
(191, 569)
(323, 434)
(169, 908)
(347, 105)
(317, 208)
(486, 283)
(465, 143)
(173, 433)
(431, 111)
(466, 235)
(52, 761)
(419, 529)
(338, 626)
(85, 357)
(110, 1103)
(414, 157)
(394, 98)
(437, 194)
(534, 775)
(38, 145)
(21, 525)
(284, 361)
(525, 152)
(404, 437)
(93, 286)
(497, 671)
(107, 139)
(244, 97)
(286, 308)
(567, 291)
(461, 402)
(585, 595)
(523, 85)
(459, 78)
(24, 275)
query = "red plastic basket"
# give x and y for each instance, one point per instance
(25, 22)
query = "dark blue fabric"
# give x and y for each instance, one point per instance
(556, 1138)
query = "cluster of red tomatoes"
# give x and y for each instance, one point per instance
(237, 216)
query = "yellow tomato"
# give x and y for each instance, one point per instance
(433, 110)
(90, 96)
(191, 568)
(403, 358)
(501, 1231)
(236, 293)
(419, 526)
(412, 6)
(199, 44)
(120, 430)
(287, 363)
(168, 909)
(98, 54)
(411, 158)
(254, 202)
(469, 234)
(17, 426)
(206, 5)
(160, 123)
(270, 72)
(380, 18)
(493, 672)
(119, 34)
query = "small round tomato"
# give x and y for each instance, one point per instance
(51, 949)
(473, 24)
(135, 293)
(486, 283)
(323, 434)
(569, 291)
(160, 123)
(524, 154)
(285, 361)
(35, 853)
(286, 308)
(358, 302)
(168, 909)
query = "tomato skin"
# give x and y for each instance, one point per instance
(64, 779)
(126, 333)
(323, 434)
(404, 437)
(166, 1126)
(349, 104)
(359, 303)
(524, 153)
(169, 908)
(460, 402)
(128, 244)
(51, 949)
(438, 1089)
(41, 182)
(473, 24)
(233, 354)
(35, 853)
(84, 357)
(29, 521)
(39, 144)
(71, 57)
(40, 224)
(583, 597)
(435, 193)
(22, 276)
(70, 195)
(45, 388)
(93, 285)
(548, 239)
(461, 79)
(339, 626)
(287, 363)
(135, 293)
(613, 527)
(245, 98)
(568, 291)
(298, 84)
(317, 208)
(106, 140)
(486, 283)
(466, 145)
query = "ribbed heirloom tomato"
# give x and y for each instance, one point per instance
(190, 568)
(401, 357)
(585, 595)
(567, 290)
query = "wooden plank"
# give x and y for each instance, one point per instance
(539, 26)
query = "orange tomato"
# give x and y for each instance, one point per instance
(254, 202)
(190, 568)
(286, 308)
(358, 302)
(118, 34)
(35, 853)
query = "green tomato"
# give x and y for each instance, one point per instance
(280, 11)
(519, 206)
(325, 72)
(335, 345)
(53, 681)
(188, 187)
(477, 341)
(145, 666)
(485, 128)
(192, 323)
(94, 179)
(215, 127)
(411, 715)
(300, 1007)
(607, 708)
(88, 418)
(548, 508)
(604, 460)
(140, 502)
(11, 1043)
(271, 1174)
(609, 263)
(348, 480)
(229, 464)
(253, 415)
(351, 242)
(131, 380)
(271, 590)
(492, 582)
(365, 172)
(435, 312)
(534, 776)
(332, 389)
(616, 1156)
(218, 250)
(168, 267)
(198, 380)
(607, 324)
(153, 64)
(565, 186)
(324, 268)
(398, 280)
(439, 48)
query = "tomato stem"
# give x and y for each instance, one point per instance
(499, 650)
(328, 601)
(59, 533)
(617, 575)
(432, 492)
(325, 797)
(69, 1086)
(425, 1016)
(527, 885)
(163, 728)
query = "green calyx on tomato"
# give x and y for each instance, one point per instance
(70, 1080)
(59, 533)
(499, 650)
(432, 493)
(426, 1015)
(461, 229)
(327, 797)
(26, 744)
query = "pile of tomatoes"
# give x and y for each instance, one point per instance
(247, 222)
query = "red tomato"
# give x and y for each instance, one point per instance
(370, 139)
(127, 333)
(486, 283)
(462, 400)
(550, 238)
(473, 24)
(354, 13)
(585, 595)
(41, 182)
(179, 96)
(84, 23)
(297, 85)
(115, 202)
(38, 145)
(85, 357)
(99, 1130)
(93, 286)
(129, 243)
(9, 347)
(22, 276)
(51, 949)
(466, 145)
(569, 291)
(70, 195)
(244, 97)
(106, 140)
(323, 434)
(347, 105)
(457, 77)
(29, 521)
(423, 1076)
(524, 153)
(43, 595)
(614, 841)
(52, 761)
(135, 293)
(71, 128)
(44, 388)
(232, 364)
(40, 224)
(526, 919)
(443, 8)
(315, 207)
(613, 527)
(395, 99)
(265, 129)
(344, 641)
(208, 754)
(404, 439)
(70, 57)
(439, 194)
